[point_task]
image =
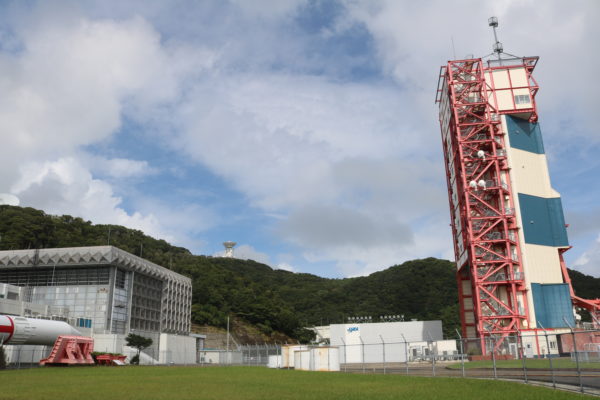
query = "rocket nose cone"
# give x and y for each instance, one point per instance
(75, 332)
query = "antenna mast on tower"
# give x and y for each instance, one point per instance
(498, 48)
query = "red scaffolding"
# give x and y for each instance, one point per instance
(492, 292)
(491, 282)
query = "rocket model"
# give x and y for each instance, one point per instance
(21, 330)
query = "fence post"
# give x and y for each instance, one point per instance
(345, 359)
(462, 355)
(257, 355)
(383, 350)
(576, 353)
(227, 359)
(267, 352)
(405, 352)
(433, 353)
(548, 353)
(522, 355)
(493, 338)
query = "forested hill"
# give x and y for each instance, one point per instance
(272, 300)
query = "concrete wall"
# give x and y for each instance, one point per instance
(177, 349)
(26, 354)
(109, 343)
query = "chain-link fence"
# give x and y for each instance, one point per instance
(564, 358)
(557, 358)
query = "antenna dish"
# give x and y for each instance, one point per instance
(229, 248)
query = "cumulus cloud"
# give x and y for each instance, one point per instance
(558, 32)
(9, 199)
(327, 123)
(69, 86)
(588, 262)
(285, 267)
(66, 187)
(119, 167)
(337, 160)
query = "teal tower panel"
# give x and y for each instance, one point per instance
(524, 135)
(553, 305)
(543, 221)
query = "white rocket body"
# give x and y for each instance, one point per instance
(21, 330)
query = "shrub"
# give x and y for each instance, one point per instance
(3, 364)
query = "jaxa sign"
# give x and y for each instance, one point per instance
(351, 329)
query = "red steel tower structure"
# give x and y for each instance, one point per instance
(507, 222)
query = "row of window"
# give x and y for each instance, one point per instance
(84, 322)
(55, 276)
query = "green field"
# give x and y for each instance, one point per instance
(230, 383)
(557, 363)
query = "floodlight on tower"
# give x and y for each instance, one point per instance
(229, 248)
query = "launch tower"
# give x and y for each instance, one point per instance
(507, 220)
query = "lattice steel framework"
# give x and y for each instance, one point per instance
(492, 292)
(490, 277)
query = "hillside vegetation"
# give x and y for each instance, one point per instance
(272, 300)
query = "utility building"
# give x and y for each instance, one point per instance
(507, 220)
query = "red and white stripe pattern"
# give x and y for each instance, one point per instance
(7, 328)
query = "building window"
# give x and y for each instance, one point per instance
(121, 278)
(84, 322)
(522, 99)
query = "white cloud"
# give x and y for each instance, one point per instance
(560, 33)
(66, 187)
(588, 262)
(69, 87)
(286, 267)
(275, 138)
(353, 171)
(9, 199)
(119, 167)
(341, 161)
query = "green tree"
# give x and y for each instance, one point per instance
(138, 342)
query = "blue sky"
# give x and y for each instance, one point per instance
(303, 130)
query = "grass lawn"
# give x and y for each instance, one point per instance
(230, 383)
(530, 363)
